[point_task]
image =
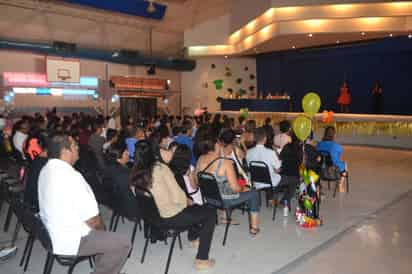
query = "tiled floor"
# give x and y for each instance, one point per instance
(365, 231)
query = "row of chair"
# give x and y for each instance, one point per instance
(150, 215)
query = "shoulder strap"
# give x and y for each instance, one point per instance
(212, 162)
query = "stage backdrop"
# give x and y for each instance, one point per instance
(323, 70)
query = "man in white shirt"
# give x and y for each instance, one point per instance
(19, 138)
(266, 155)
(70, 212)
(283, 138)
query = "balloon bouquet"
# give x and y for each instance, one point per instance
(307, 212)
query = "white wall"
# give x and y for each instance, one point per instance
(211, 32)
(11, 61)
(197, 94)
(243, 11)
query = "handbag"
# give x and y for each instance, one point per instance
(331, 173)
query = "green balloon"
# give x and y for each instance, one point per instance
(302, 126)
(307, 204)
(244, 112)
(306, 179)
(311, 103)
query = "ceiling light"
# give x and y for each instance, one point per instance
(363, 34)
(293, 47)
(115, 54)
(410, 36)
(337, 41)
(151, 8)
(226, 57)
(310, 35)
(390, 35)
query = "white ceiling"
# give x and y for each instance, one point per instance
(291, 42)
(50, 20)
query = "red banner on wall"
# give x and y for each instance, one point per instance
(121, 82)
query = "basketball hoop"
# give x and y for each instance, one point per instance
(63, 74)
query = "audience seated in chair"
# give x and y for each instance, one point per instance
(291, 157)
(176, 210)
(117, 171)
(37, 163)
(247, 138)
(180, 165)
(335, 150)
(263, 154)
(70, 213)
(185, 138)
(20, 136)
(211, 161)
(134, 136)
(283, 138)
(96, 142)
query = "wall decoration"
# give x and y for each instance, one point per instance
(229, 90)
(205, 85)
(252, 77)
(246, 68)
(213, 66)
(228, 74)
(241, 92)
(252, 88)
(218, 84)
(239, 80)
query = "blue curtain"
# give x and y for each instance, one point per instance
(388, 61)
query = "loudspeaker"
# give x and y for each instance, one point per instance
(151, 70)
(64, 47)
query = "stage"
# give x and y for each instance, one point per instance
(393, 131)
(275, 103)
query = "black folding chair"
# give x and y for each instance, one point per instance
(259, 173)
(212, 197)
(119, 211)
(35, 229)
(154, 222)
(11, 188)
(330, 173)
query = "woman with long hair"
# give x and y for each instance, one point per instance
(232, 192)
(151, 174)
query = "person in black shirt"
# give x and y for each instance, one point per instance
(33, 172)
(291, 157)
(117, 172)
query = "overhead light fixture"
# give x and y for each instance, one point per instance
(310, 35)
(410, 36)
(226, 57)
(337, 41)
(390, 35)
(363, 33)
(293, 47)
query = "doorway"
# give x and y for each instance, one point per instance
(137, 108)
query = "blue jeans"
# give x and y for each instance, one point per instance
(251, 197)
